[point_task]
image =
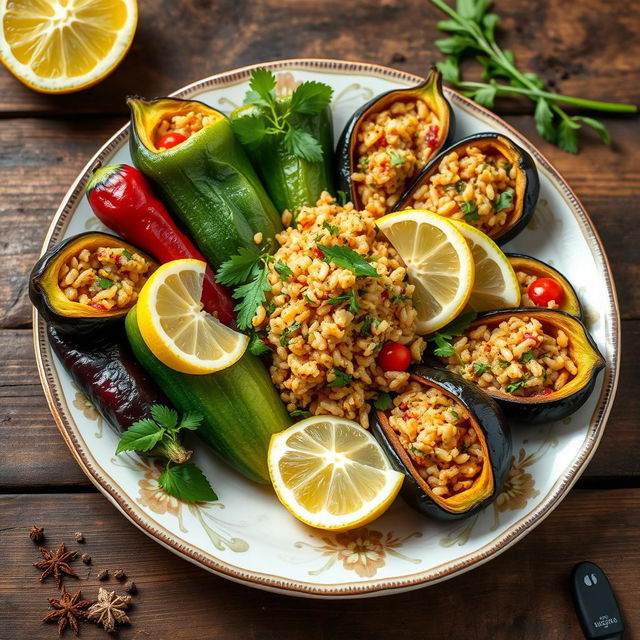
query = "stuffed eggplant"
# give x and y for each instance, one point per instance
(188, 149)
(485, 179)
(543, 286)
(540, 365)
(388, 141)
(451, 442)
(88, 282)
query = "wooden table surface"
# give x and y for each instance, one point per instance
(583, 48)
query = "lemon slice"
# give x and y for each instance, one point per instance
(496, 285)
(176, 329)
(59, 46)
(439, 264)
(331, 473)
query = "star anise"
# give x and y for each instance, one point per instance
(56, 563)
(110, 610)
(67, 610)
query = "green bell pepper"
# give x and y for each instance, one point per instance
(207, 180)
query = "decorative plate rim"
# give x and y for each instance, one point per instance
(99, 477)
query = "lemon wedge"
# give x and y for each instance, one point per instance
(176, 329)
(439, 263)
(496, 284)
(331, 474)
(59, 46)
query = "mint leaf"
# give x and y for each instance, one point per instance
(383, 401)
(341, 378)
(250, 129)
(544, 120)
(191, 421)
(104, 283)
(263, 85)
(396, 159)
(597, 126)
(284, 338)
(311, 98)
(252, 296)
(332, 229)
(347, 258)
(303, 145)
(186, 482)
(164, 416)
(142, 435)
(505, 199)
(568, 135)
(470, 210)
(257, 346)
(238, 268)
(342, 196)
(450, 69)
(283, 270)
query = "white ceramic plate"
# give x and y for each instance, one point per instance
(248, 536)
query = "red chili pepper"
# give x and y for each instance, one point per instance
(432, 136)
(122, 199)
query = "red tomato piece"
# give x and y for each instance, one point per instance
(170, 140)
(543, 290)
(394, 357)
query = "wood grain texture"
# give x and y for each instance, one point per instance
(582, 48)
(178, 600)
(35, 455)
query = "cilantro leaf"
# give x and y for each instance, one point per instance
(470, 210)
(292, 328)
(444, 348)
(396, 159)
(504, 200)
(300, 413)
(250, 129)
(342, 197)
(164, 416)
(186, 482)
(283, 270)
(104, 283)
(479, 368)
(251, 296)
(544, 120)
(263, 85)
(303, 145)
(568, 135)
(347, 258)
(383, 401)
(597, 126)
(239, 268)
(331, 228)
(311, 97)
(257, 346)
(191, 421)
(142, 435)
(341, 378)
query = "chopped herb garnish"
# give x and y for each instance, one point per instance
(383, 401)
(283, 270)
(396, 159)
(341, 378)
(271, 307)
(528, 355)
(342, 197)
(507, 167)
(285, 337)
(365, 329)
(455, 328)
(514, 386)
(399, 298)
(348, 259)
(444, 348)
(309, 300)
(479, 368)
(470, 210)
(300, 413)
(127, 254)
(364, 162)
(104, 283)
(458, 186)
(454, 413)
(257, 346)
(332, 229)
(503, 364)
(350, 297)
(504, 200)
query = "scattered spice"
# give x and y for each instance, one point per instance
(109, 610)
(79, 536)
(56, 563)
(67, 610)
(120, 575)
(86, 558)
(103, 574)
(130, 586)
(36, 533)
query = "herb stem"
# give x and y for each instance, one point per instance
(596, 105)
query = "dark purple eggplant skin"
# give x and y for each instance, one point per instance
(489, 417)
(106, 371)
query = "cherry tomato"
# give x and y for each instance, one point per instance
(169, 140)
(394, 357)
(543, 290)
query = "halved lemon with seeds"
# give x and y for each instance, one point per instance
(175, 327)
(331, 474)
(496, 284)
(439, 263)
(59, 46)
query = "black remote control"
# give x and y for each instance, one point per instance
(596, 605)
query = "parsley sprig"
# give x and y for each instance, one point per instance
(443, 337)
(160, 435)
(473, 32)
(274, 118)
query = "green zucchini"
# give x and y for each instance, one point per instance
(240, 407)
(207, 180)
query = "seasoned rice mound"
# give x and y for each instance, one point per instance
(437, 434)
(393, 146)
(525, 279)
(325, 324)
(517, 357)
(468, 186)
(186, 124)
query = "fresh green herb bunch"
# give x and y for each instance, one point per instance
(472, 30)
(308, 99)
